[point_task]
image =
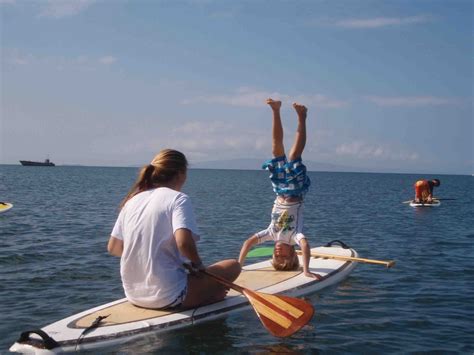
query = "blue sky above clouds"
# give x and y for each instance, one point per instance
(388, 84)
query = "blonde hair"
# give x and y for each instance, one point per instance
(163, 168)
(289, 264)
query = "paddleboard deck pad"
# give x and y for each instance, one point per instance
(5, 206)
(120, 321)
(435, 203)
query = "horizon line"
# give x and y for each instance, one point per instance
(244, 169)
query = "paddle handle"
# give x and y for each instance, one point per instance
(388, 264)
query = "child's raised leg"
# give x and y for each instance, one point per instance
(300, 138)
(277, 129)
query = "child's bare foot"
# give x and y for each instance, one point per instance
(275, 105)
(301, 110)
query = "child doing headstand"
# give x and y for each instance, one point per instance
(290, 183)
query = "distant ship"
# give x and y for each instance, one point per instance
(46, 162)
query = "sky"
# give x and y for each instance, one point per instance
(388, 84)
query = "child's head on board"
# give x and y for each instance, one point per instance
(284, 257)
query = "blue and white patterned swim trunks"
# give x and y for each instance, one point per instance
(288, 178)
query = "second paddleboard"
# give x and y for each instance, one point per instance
(435, 203)
(5, 206)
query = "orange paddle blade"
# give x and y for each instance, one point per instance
(281, 315)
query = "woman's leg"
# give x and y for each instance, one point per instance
(300, 138)
(203, 289)
(278, 149)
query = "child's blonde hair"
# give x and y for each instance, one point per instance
(289, 264)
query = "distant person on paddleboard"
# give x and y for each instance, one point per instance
(155, 233)
(424, 190)
(290, 183)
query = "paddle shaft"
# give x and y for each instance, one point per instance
(388, 264)
(245, 291)
(224, 281)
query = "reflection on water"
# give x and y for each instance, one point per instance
(200, 338)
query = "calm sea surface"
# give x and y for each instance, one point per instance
(53, 259)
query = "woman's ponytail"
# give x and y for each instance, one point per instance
(162, 169)
(145, 178)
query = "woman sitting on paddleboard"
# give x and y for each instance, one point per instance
(155, 234)
(290, 183)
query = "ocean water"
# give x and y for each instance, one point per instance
(53, 259)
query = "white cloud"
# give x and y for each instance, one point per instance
(64, 8)
(17, 57)
(412, 101)
(211, 140)
(247, 97)
(82, 59)
(214, 140)
(378, 22)
(319, 101)
(243, 97)
(107, 60)
(363, 150)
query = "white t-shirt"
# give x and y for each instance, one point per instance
(286, 225)
(151, 265)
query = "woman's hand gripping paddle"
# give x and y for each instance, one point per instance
(281, 315)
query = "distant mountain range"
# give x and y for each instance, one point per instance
(256, 164)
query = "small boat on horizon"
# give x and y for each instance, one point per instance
(46, 162)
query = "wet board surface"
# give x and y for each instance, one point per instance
(126, 321)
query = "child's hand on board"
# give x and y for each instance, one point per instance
(312, 275)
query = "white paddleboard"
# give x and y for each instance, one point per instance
(5, 206)
(435, 203)
(126, 321)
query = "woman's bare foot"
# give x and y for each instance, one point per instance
(301, 110)
(275, 105)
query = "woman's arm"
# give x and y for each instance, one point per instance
(248, 244)
(115, 246)
(187, 246)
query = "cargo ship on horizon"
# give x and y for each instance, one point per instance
(46, 162)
